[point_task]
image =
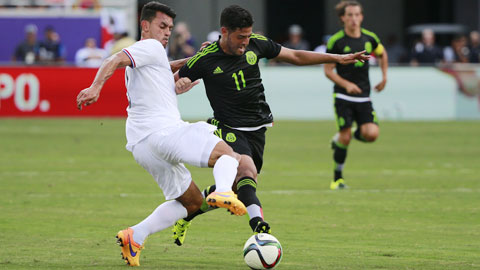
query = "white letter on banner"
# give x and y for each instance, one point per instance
(6, 86)
(20, 101)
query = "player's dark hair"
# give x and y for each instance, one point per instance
(150, 9)
(234, 17)
(342, 6)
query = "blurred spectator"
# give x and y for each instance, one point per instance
(295, 40)
(426, 51)
(474, 47)
(87, 4)
(322, 48)
(182, 44)
(90, 55)
(213, 36)
(120, 41)
(51, 49)
(458, 51)
(28, 50)
(396, 52)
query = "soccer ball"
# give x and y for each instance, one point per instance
(262, 251)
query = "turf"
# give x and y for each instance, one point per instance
(68, 185)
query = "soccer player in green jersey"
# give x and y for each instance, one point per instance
(229, 69)
(352, 85)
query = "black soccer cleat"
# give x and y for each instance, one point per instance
(263, 227)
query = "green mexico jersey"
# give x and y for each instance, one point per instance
(341, 43)
(233, 84)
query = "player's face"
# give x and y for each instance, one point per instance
(160, 28)
(237, 41)
(353, 17)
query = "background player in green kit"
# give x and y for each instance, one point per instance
(230, 72)
(352, 85)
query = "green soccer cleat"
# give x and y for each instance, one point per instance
(180, 231)
(263, 227)
(339, 184)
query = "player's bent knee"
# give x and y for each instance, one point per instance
(370, 136)
(222, 148)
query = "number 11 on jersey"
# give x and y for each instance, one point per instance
(235, 77)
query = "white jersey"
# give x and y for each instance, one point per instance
(151, 92)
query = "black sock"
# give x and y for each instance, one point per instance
(204, 206)
(358, 135)
(247, 194)
(337, 175)
(339, 156)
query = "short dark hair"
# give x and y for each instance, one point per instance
(340, 7)
(234, 17)
(150, 9)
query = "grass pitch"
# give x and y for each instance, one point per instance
(68, 185)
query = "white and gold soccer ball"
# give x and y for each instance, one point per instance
(262, 251)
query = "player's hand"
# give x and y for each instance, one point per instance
(184, 84)
(87, 96)
(352, 58)
(204, 44)
(353, 89)
(381, 85)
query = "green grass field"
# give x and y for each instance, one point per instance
(68, 185)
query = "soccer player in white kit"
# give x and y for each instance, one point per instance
(157, 137)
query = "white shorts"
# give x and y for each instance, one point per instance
(162, 154)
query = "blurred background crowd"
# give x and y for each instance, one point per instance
(84, 32)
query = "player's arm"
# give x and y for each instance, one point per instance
(349, 86)
(302, 58)
(175, 65)
(91, 94)
(383, 56)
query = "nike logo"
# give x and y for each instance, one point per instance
(130, 246)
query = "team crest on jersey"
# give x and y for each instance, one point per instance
(251, 58)
(230, 137)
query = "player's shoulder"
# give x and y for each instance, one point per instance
(257, 37)
(370, 34)
(335, 38)
(150, 42)
(203, 54)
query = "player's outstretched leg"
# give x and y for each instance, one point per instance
(130, 249)
(131, 240)
(247, 193)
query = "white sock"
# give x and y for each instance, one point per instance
(163, 217)
(224, 172)
(254, 211)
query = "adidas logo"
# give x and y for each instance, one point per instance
(218, 70)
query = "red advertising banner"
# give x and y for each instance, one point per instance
(52, 91)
